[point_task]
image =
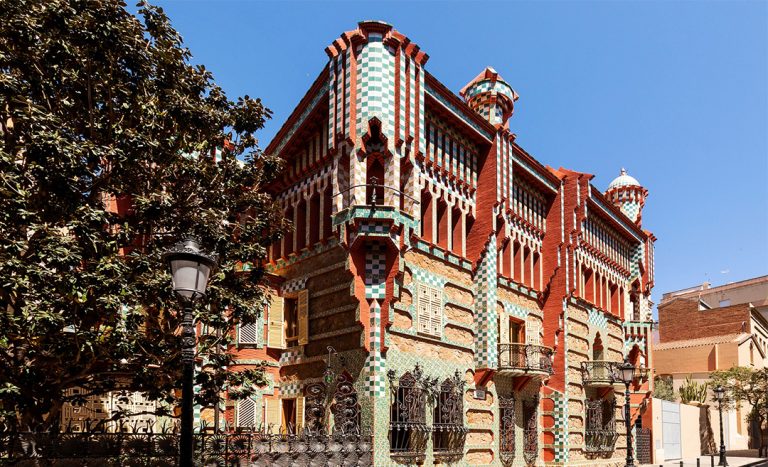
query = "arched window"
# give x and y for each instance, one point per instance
(600, 435)
(246, 413)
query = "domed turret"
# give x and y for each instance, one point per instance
(490, 96)
(626, 193)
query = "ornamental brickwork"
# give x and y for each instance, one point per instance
(477, 301)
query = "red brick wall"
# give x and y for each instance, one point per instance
(682, 320)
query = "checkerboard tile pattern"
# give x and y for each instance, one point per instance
(294, 285)
(290, 388)
(375, 274)
(597, 319)
(560, 430)
(486, 352)
(290, 356)
(375, 364)
(515, 310)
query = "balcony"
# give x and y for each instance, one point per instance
(525, 360)
(597, 373)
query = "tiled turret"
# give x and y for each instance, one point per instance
(626, 193)
(490, 96)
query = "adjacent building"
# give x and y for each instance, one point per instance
(704, 329)
(443, 289)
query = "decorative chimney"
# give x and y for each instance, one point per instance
(490, 96)
(626, 193)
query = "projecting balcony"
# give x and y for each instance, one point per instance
(524, 360)
(597, 373)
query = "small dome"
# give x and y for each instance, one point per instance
(623, 180)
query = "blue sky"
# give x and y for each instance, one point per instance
(676, 92)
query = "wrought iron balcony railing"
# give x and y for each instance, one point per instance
(525, 358)
(600, 440)
(600, 373)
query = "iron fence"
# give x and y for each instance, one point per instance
(161, 449)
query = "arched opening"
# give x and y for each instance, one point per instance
(426, 215)
(589, 285)
(456, 224)
(375, 177)
(314, 219)
(328, 212)
(442, 224)
(517, 255)
(301, 225)
(288, 239)
(537, 271)
(598, 352)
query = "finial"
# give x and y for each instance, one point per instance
(623, 171)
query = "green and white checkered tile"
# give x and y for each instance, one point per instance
(290, 388)
(515, 310)
(560, 430)
(294, 285)
(290, 356)
(485, 308)
(597, 318)
(375, 271)
(427, 277)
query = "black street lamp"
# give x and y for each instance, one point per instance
(190, 270)
(627, 376)
(719, 394)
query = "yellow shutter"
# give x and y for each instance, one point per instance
(275, 332)
(299, 414)
(272, 419)
(533, 332)
(303, 316)
(436, 312)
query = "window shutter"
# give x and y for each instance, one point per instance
(272, 419)
(303, 315)
(246, 412)
(299, 414)
(275, 331)
(436, 311)
(532, 333)
(422, 305)
(429, 310)
(247, 333)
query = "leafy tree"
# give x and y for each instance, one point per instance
(662, 389)
(744, 384)
(100, 108)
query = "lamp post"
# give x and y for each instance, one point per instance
(190, 269)
(719, 394)
(627, 375)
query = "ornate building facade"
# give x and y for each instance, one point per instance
(442, 288)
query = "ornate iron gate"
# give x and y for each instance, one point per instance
(643, 437)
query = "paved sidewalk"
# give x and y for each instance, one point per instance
(706, 461)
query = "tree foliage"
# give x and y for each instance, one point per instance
(744, 384)
(663, 389)
(100, 108)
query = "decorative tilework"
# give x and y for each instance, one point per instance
(486, 352)
(375, 273)
(290, 388)
(515, 310)
(597, 318)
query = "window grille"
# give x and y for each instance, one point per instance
(248, 334)
(449, 432)
(345, 407)
(531, 429)
(429, 310)
(601, 425)
(408, 428)
(507, 429)
(246, 413)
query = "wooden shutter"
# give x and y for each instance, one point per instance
(532, 333)
(272, 415)
(299, 414)
(275, 331)
(247, 333)
(246, 412)
(303, 317)
(422, 308)
(435, 312)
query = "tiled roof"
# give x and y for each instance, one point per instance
(702, 341)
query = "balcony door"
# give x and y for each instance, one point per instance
(515, 331)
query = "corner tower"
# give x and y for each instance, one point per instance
(490, 96)
(626, 193)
